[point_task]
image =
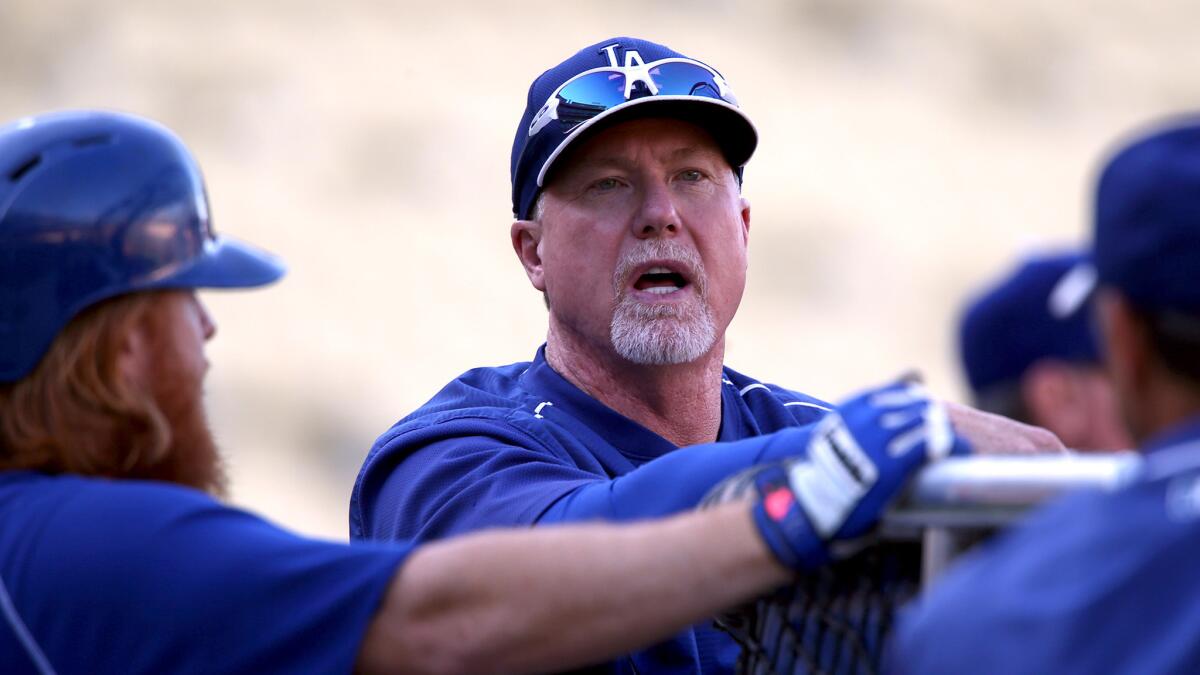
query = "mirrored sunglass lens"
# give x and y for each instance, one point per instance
(600, 90)
(678, 78)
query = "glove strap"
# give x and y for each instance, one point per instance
(783, 524)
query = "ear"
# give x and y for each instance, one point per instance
(1127, 351)
(745, 209)
(527, 243)
(133, 355)
(1052, 401)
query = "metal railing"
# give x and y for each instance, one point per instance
(951, 502)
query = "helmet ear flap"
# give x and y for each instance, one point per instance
(95, 205)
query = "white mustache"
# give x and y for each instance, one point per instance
(666, 250)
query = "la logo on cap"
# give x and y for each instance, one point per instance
(632, 58)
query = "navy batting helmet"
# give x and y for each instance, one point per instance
(93, 205)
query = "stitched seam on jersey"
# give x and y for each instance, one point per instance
(806, 404)
(750, 387)
(509, 421)
(759, 385)
(405, 428)
(393, 435)
(513, 421)
(14, 621)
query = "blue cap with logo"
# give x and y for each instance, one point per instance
(616, 80)
(1014, 323)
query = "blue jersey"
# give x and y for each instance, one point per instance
(122, 576)
(519, 445)
(1097, 582)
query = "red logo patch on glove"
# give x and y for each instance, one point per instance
(778, 502)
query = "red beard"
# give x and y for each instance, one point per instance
(177, 388)
(192, 457)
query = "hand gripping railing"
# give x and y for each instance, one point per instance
(836, 619)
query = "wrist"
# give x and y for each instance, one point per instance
(788, 534)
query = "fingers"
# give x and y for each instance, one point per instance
(941, 433)
(898, 395)
(919, 426)
(898, 420)
(895, 408)
(904, 445)
(991, 434)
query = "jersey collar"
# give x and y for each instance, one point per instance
(633, 440)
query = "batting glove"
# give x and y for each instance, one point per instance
(858, 458)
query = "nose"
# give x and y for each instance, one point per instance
(657, 216)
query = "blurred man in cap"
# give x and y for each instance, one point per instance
(1024, 361)
(1105, 581)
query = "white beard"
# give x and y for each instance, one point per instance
(661, 335)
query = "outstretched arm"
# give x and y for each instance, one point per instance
(679, 480)
(676, 481)
(488, 602)
(560, 597)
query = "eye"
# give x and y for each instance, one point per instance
(691, 175)
(606, 184)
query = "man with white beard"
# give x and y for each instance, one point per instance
(626, 173)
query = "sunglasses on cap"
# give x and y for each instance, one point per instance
(593, 91)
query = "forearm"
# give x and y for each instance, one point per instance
(560, 597)
(674, 482)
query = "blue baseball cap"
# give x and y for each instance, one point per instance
(613, 81)
(1146, 236)
(1014, 323)
(1147, 227)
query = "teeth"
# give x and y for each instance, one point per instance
(661, 290)
(658, 270)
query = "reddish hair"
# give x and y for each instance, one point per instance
(77, 412)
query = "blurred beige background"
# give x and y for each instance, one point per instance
(909, 150)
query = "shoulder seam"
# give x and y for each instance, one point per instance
(808, 404)
(759, 385)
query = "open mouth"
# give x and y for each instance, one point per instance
(660, 280)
